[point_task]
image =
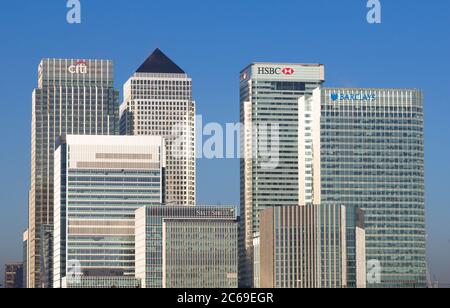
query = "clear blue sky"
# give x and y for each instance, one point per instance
(213, 41)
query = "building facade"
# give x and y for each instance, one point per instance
(46, 262)
(269, 103)
(368, 151)
(73, 97)
(187, 247)
(372, 156)
(256, 261)
(312, 246)
(356, 147)
(158, 102)
(14, 276)
(25, 258)
(100, 181)
(102, 282)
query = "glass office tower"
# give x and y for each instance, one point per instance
(73, 97)
(269, 103)
(100, 181)
(371, 156)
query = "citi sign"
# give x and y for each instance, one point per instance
(353, 97)
(275, 71)
(80, 67)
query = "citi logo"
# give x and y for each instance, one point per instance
(275, 71)
(80, 67)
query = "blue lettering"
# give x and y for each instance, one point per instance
(353, 97)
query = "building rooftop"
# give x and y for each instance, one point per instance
(158, 62)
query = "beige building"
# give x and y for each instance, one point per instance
(313, 246)
(158, 102)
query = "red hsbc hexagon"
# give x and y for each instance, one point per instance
(288, 71)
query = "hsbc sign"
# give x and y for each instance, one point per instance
(79, 67)
(275, 71)
(288, 71)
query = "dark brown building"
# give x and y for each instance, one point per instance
(14, 276)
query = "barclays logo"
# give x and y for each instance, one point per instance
(353, 97)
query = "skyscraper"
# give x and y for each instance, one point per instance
(368, 151)
(72, 97)
(355, 147)
(269, 102)
(100, 181)
(158, 101)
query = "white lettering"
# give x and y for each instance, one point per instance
(74, 14)
(79, 68)
(374, 14)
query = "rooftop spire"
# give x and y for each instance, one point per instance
(158, 62)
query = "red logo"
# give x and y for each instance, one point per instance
(288, 71)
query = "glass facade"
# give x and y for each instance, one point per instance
(200, 254)
(72, 97)
(372, 156)
(269, 98)
(187, 247)
(101, 182)
(104, 283)
(356, 147)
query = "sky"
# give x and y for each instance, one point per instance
(213, 41)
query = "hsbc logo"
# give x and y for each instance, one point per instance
(288, 71)
(275, 71)
(80, 67)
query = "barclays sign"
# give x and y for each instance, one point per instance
(353, 97)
